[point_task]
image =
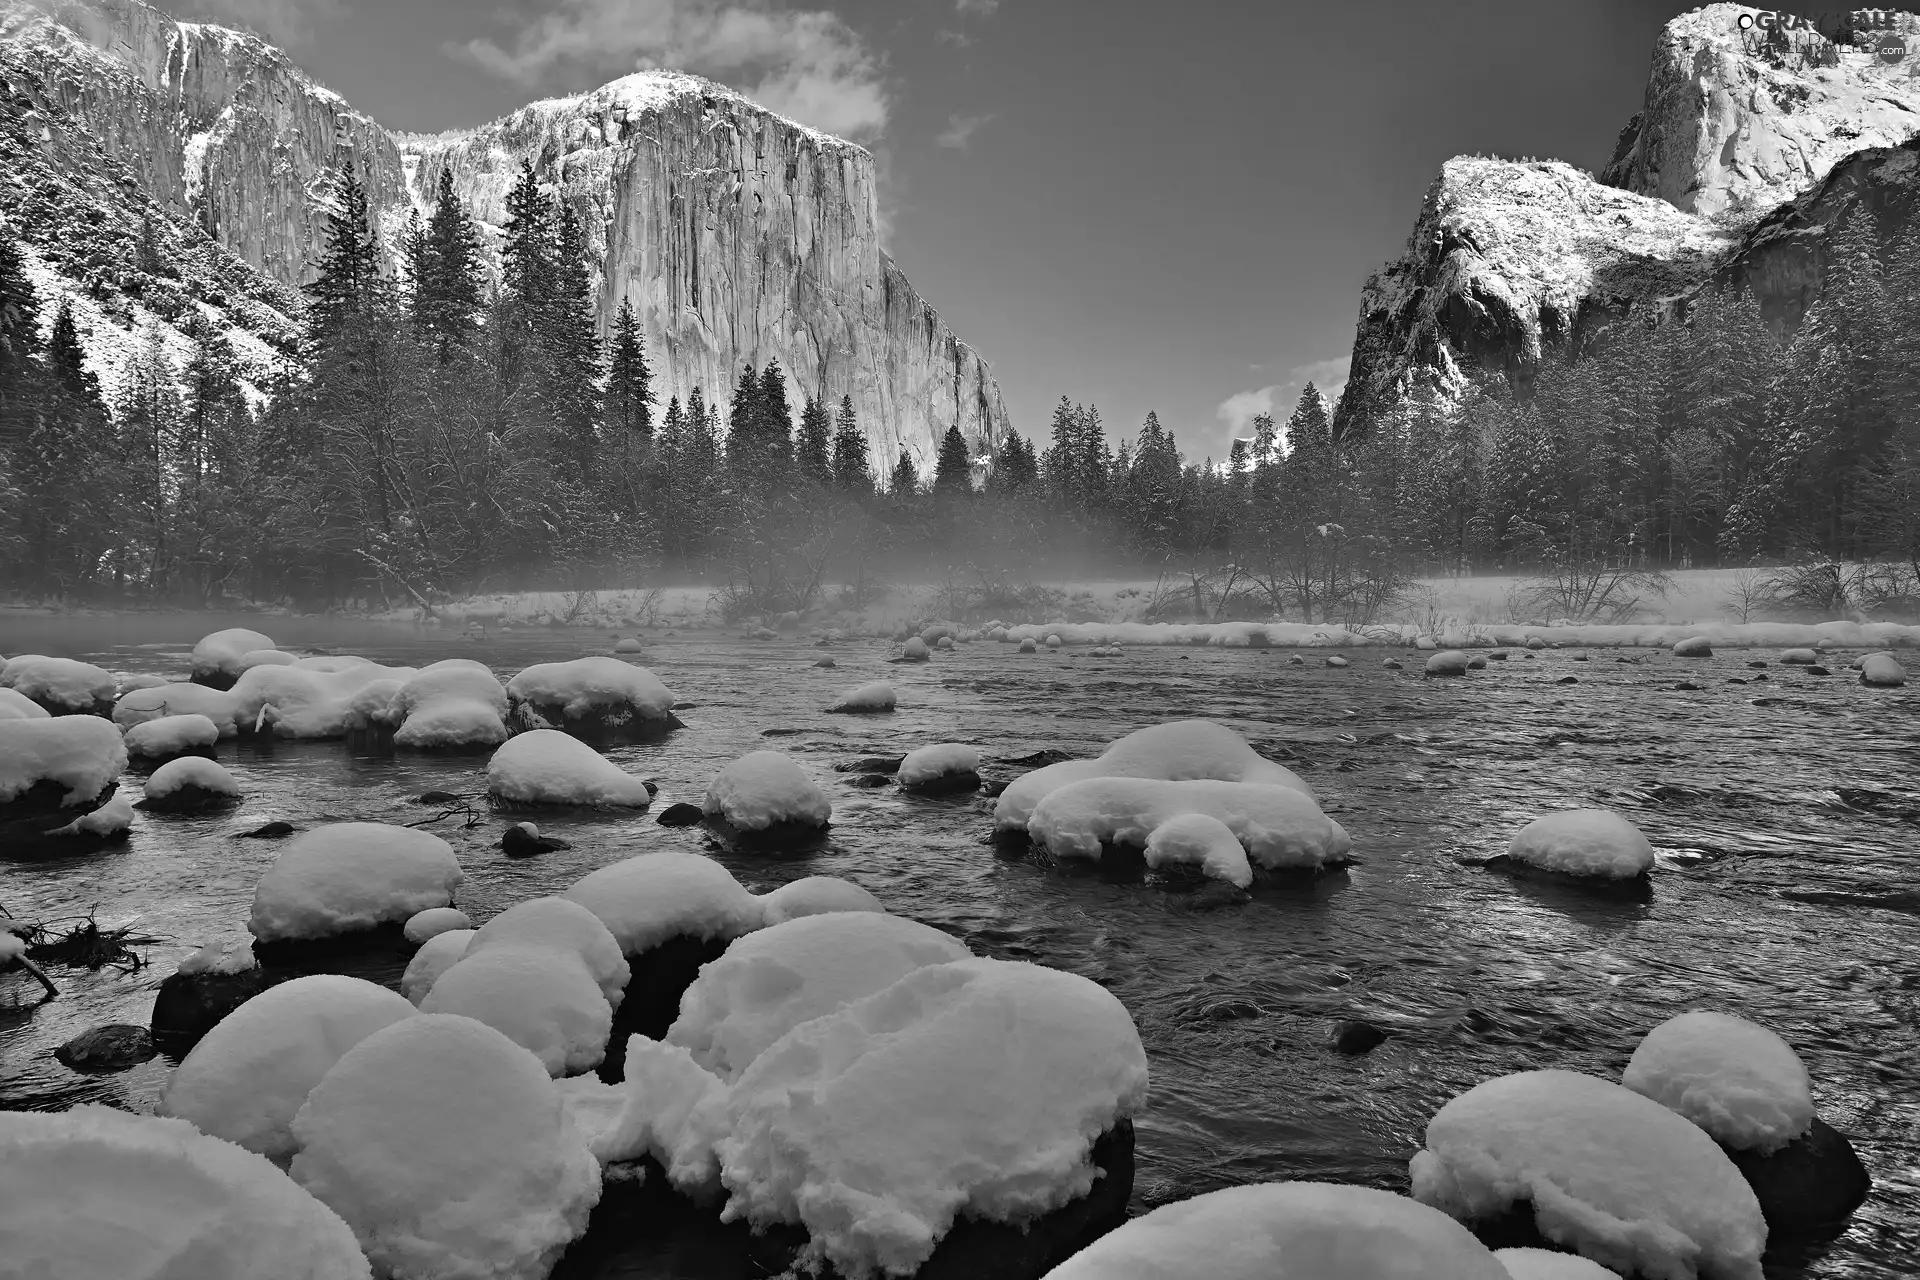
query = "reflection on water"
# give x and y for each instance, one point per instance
(1788, 830)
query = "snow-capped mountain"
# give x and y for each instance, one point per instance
(1510, 260)
(738, 236)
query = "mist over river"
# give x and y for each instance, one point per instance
(1785, 813)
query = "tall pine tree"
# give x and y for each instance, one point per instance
(953, 466)
(814, 450)
(348, 284)
(852, 472)
(19, 341)
(629, 379)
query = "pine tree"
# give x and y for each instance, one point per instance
(65, 468)
(527, 256)
(1015, 469)
(349, 279)
(19, 341)
(149, 415)
(814, 451)
(147, 258)
(629, 379)
(1063, 456)
(444, 260)
(905, 481)
(413, 251)
(953, 466)
(571, 346)
(776, 423)
(1095, 463)
(852, 472)
(746, 452)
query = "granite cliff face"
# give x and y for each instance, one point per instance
(737, 235)
(1749, 147)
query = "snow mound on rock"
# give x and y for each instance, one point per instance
(445, 1147)
(877, 696)
(171, 736)
(160, 701)
(1737, 1080)
(82, 754)
(1287, 1231)
(18, 706)
(976, 1086)
(815, 895)
(546, 766)
(96, 1192)
(304, 702)
(424, 926)
(1179, 751)
(59, 682)
(763, 788)
(941, 760)
(1607, 1172)
(190, 771)
(1277, 826)
(1584, 842)
(347, 876)
(226, 955)
(245, 1080)
(586, 686)
(771, 981)
(456, 702)
(436, 955)
(110, 819)
(1544, 1264)
(648, 899)
(1883, 671)
(541, 998)
(560, 924)
(1201, 842)
(222, 655)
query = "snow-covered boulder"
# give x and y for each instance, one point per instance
(245, 1080)
(1596, 843)
(1605, 1171)
(1287, 1231)
(1545, 1264)
(630, 644)
(1799, 658)
(1449, 662)
(445, 1147)
(1177, 751)
(563, 925)
(130, 683)
(975, 1087)
(302, 701)
(1693, 647)
(650, 899)
(766, 793)
(423, 926)
(877, 696)
(771, 981)
(1198, 843)
(18, 706)
(97, 1192)
(1028, 645)
(546, 766)
(111, 821)
(600, 699)
(61, 686)
(188, 784)
(1278, 827)
(944, 766)
(171, 736)
(350, 876)
(161, 701)
(435, 956)
(57, 762)
(219, 658)
(815, 895)
(541, 998)
(1882, 671)
(266, 658)
(916, 650)
(208, 985)
(453, 704)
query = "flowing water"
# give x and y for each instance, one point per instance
(1786, 815)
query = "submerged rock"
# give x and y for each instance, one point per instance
(1808, 1187)
(1354, 1038)
(114, 1047)
(267, 831)
(188, 1005)
(523, 839)
(681, 815)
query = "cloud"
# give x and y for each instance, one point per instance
(288, 22)
(804, 63)
(960, 130)
(1239, 410)
(976, 8)
(958, 39)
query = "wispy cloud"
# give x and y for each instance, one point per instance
(958, 39)
(976, 8)
(804, 63)
(1239, 410)
(960, 130)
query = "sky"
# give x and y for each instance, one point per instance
(1138, 204)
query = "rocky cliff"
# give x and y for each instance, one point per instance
(737, 235)
(1509, 262)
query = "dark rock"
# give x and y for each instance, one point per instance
(1816, 671)
(681, 815)
(28, 821)
(944, 785)
(826, 662)
(652, 786)
(619, 722)
(1808, 1187)
(992, 790)
(661, 975)
(871, 764)
(1757, 666)
(1355, 1038)
(1568, 680)
(1039, 759)
(1687, 686)
(1580, 657)
(870, 781)
(220, 680)
(523, 840)
(270, 831)
(1757, 679)
(114, 1047)
(1630, 889)
(789, 837)
(189, 798)
(1498, 655)
(439, 798)
(188, 1006)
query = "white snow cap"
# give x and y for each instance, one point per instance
(18, 706)
(96, 1191)
(453, 703)
(63, 682)
(941, 760)
(160, 701)
(541, 998)
(83, 754)
(1607, 1171)
(190, 771)
(976, 1086)
(352, 875)
(546, 766)
(1287, 1231)
(587, 685)
(1181, 750)
(770, 982)
(877, 696)
(815, 895)
(436, 955)
(1277, 826)
(648, 899)
(224, 652)
(246, 1078)
(1545, 1264)
(225, 955)
(1584, 842)
(560, 924)
(171, 736)
(1737, 1080)
(110, 819)
(301, 701)
(1203, 842)
(424, 926)
(762, 788)
(445, 1147)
